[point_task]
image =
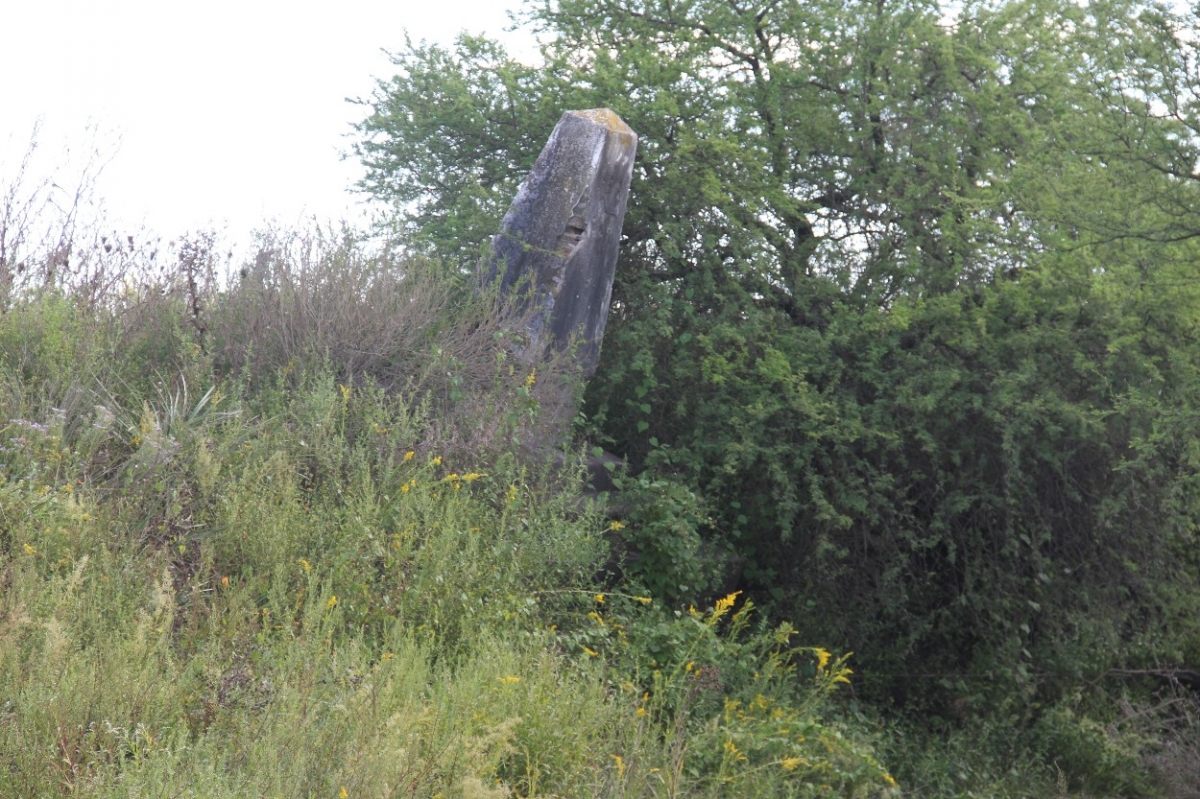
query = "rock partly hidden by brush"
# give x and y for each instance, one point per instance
(557, 246)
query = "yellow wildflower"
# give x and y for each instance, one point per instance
(890, 780)
(645, 600)
(30, 550)
(304, 564)
(345, 399)
(723, 605)
(332, 603)
(615, 526)
(529, 381)
(791, 763)
(408, 456)
(510, 679)
(620, 763)
(822, 658)
(343, 793)
(437, 461)
(599, 599)
(591, 651)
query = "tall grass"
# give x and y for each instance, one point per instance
(299, 531)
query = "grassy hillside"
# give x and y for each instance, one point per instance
(292, 537)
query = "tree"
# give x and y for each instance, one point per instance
(907, 293)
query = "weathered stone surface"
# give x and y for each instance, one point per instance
(557, 246)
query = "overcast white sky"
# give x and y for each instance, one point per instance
(215, 112)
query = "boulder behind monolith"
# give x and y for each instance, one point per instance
(556, 251)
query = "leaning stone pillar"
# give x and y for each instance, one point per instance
(557, 246)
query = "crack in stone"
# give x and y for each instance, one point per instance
(576, 228)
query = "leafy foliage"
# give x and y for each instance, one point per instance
(907, 291)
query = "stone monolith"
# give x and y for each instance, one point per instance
(557, 246)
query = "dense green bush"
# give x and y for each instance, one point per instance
(982, 485)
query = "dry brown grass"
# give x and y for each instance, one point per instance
(1176, 763)
(314, 294)
(323, 299)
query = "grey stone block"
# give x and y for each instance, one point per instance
(556, 252)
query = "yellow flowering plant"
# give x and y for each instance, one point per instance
(745, 703)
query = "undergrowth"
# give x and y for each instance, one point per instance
(242, 555)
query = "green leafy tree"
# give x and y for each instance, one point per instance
(908, 289)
